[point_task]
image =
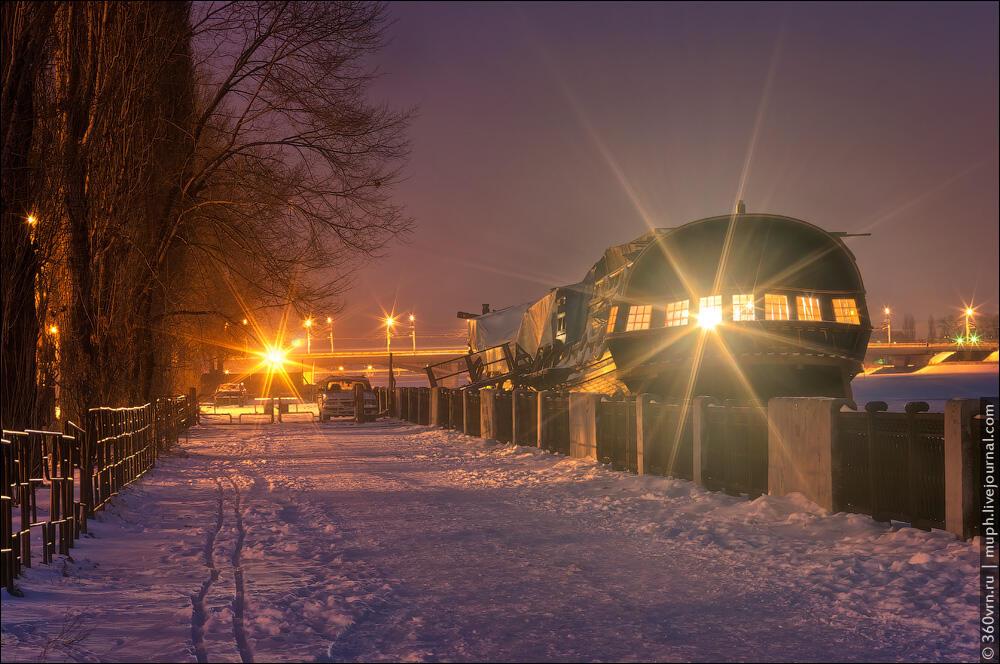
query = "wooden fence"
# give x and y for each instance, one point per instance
(80, 469)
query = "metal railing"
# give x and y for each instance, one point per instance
(80, 469)
(891, 465)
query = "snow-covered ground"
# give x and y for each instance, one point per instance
(389, 541)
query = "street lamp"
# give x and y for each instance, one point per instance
(308, 324)
(389, 322)
(413, 332)
(888, 324)
(329, 321)
(969, 313)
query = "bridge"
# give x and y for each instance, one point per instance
(919, 354)
(406, 363)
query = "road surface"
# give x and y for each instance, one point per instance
(390, 541)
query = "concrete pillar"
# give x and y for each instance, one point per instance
(583, 425)
(643, 430)
(436, 403)
(698, 437)
(487, 414)
(802, 433)
(961, 463)
(540, 414)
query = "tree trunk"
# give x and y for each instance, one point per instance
(25, 30)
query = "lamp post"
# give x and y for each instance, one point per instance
(389, 322)
(329, 321)
(888, 324)
(969, 313)
(308, 323)
(413, 332)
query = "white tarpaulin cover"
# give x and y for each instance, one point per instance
(536, 324)
(496, 327)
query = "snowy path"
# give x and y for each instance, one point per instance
(394, 542)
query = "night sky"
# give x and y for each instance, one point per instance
(547, 132)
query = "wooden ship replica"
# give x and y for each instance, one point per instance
(742, 306)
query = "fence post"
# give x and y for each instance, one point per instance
(487, 414)
(437, 398)
(87, 453)
(961, 468)
(801, 439)
(583, 425)
(542, 430)
(195, 410)
(699, 438)
(643, 429)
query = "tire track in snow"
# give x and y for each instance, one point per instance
(198, 615)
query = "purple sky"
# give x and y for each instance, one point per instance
(548, 132)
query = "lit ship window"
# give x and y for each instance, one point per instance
(677, 313)
(743, 308)
(561, 326)
(846, 311)
(710, 311)
(612, 319)
(639, 317)
(808, 308)
(775, 307)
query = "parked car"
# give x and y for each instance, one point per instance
(232, 394)
(336, 397)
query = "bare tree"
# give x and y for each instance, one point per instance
(180, 191)
(26, 28)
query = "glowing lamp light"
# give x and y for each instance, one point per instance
(340, 368)
(245, 321)
(275, 357)
(32, 220)
(329, 320)
(53, 329)
(969, 311)
(709, 320)
(389, 321)
(308, 322)
(412, 318)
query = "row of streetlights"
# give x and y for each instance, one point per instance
(389, 321)
(969, 314)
